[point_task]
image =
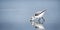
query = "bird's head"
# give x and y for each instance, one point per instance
(40, 12)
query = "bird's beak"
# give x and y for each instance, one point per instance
(43, 11)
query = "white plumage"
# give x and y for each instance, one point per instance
(38, 15)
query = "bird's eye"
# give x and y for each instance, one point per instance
(36, 14)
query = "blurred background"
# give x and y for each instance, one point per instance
(15, 14)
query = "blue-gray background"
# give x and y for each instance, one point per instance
(15, 14)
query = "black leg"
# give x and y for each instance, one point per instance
(39, 20)
(43, 20)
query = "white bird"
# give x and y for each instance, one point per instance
(38, 15)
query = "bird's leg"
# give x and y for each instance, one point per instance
(43, 20)
(39, 20)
